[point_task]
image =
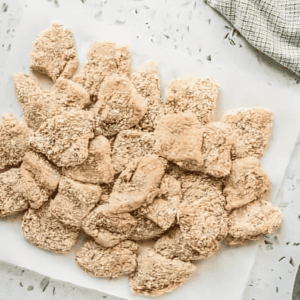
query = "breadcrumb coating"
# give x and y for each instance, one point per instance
(253, 220)
(74, 201)
(112, 262)
(103, 59)
(119, 106)
(253, 130)
(179, 139)
(54, 53)
(44, 231)
(97, 168)
(13, 141)
(247, 182)
(157, 275)
(130, 145)
(39, 179)
(64, 138)
(192, 94)
(146, 80)
(11, 200)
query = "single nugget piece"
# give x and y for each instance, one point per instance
(216, 149)
(64, 139)
(98, 167)
(163, 210)
(173, 245)
(147, 82)
(108, 229)
(192, 94)
(39, 179)
(54, 53)
(247, 182)
(253, 220)
(74, 201)
(13, 141)
(11, 200)
(145, 228)
(253, 130)
(107, 262)
(129, 145)
(137, 185)
(157, 275)
(119, 106)
(179, 139)
(103, 59)
(43, 230)
(202, 217)
(41, 104)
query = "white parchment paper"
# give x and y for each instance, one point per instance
(221, 277)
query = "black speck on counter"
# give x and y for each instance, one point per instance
(287, 243)
(56, 3)
(53, 292)
(8, 48)
(4, 7)
(104, 297)
(267, 242)
(232, 42)
(281, 258)
(296, 244)
(225, 37)
(83, 1)
(292, 262)
(233, 32)
(166, 36)
(276, 289)
(188, 28)
(30, 288)
(227, 27)
(199, 49)
(209, 20)
(195, 4)
(44, 283)
(21, 284)
(136, 11)
(208, 57)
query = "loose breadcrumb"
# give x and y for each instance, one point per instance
(74, 201)
(179, 139)
(119, 106)
(64, 138)
(44, 231)
(253, 130)
(253, 220)
(13, 141)
(192, 94)
(54, 53)
(11, 200)
(163, 210)
(39, 179)
(98, 166)
(157, 275)
(146, 80)
(247, 182)
(202, 217)
(108, 262)
(108, 229)
(103, 59)
(173, 245)
(129, 145)
(138, 184)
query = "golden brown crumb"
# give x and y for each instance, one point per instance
(43, 230)
(98, 167)
(108, 262)
(64, 138)
(147, 82)
(119, 106)
(252, 220)
(192, 94)
(11, 200)
(179, 139)
(216, 149)
(54, 53)
(253, 130)
(108, 229)
(103, 59)
(129, 145)
(74, 201)
(13, 141)
(163, 210)
(39, 179)
(41, 104)
(202, 217)
(247, 182)
(138, 184)
(173, 245)
(157, 275)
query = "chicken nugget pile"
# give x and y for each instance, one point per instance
(100, 152)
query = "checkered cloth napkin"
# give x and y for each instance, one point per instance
(271, 26)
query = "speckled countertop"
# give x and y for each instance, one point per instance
(194, 28)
